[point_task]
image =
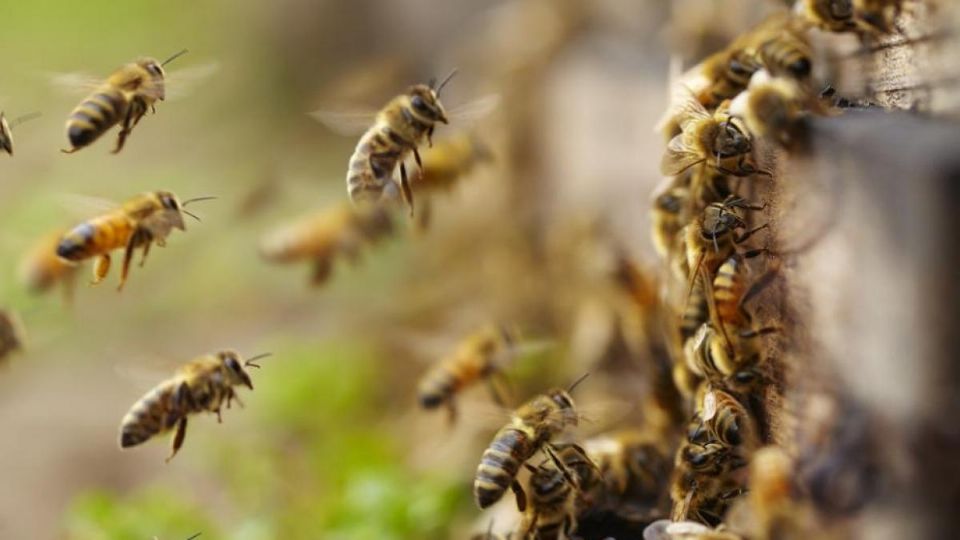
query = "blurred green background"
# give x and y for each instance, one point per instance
(330, 444)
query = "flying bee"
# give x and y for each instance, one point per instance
(533, 427)
(702, 485)
(480, 356)
(322, 237)
(6, 130)
(829, 15)
(716, 140)
(552, 513)
(11, 334)
(41, 268)
(142, 221)
(124, 97)
(203, 385)
(448, 161)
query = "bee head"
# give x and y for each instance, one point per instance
(426, 103)
(234, 369)
(171, 203)
(731, 140)
(670, 202)
(156, 73)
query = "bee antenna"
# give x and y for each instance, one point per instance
(250, 361)
(577, 382)
(21, 119)
(195, 536)
(197, 199)
(191, 214)
(445, 81)
(174, 57)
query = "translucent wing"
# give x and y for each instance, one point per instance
(183, 82)
(85, 206)
(678, 157)
(73, 84)
(345, 123)
(472, 111)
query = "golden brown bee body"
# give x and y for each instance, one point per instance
(772, 107)
(42, 268)
(324, 236)
(701, 487)
(399, 129)
(829, 15)
(718, 140)
(123, 98)
(729, 422)
(139, 222)
(448, 161)
(11, 334)
(667, 216)
(634, 465)
(480, 356)
(551, 513)
(532, 427)
(203, 385)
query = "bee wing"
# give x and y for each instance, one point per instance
(182, 82)
(75, 83)
(678, 158)
(145, 372)
(85, 206)
(474, 110)
(345, 123)
(599, 416)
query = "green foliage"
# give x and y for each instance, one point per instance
(100, 515)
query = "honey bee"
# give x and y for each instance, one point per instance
(480, 356)
(726, 420)
(141, 221)
(124, 98)
(830, 15)
(877, 16)
(448, 161)
(533, 427)
(204, 384)
(668, 216)
(6, 130)
(400, 127)
(41, 268)
(11, 334)
(730, 363)
(702, 485)
(772, 106)
(320, 238)
(634, 464)
(717, 140)
(552, 513)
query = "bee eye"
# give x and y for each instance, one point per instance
(419, 104)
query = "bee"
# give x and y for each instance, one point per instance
(533, 427)
(551, 514)
(400, 127)
(717, 140)
(733, 364)
(322, 237)
(123, 98)
(448, 161)
(42, 268)
(634, 464)
(877, 16)
(480, 356)
(830, 15)
(203, 385)
(772, 106)
(141, 221)
(11, 334)
(726, 420)
(669, 208)
(6, 130)
(702, 485)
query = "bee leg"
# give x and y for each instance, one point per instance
(416, 156)
(405, 187)
(135, 240)
(219, 415)
(178, 438)
(321, 271)
(429, 139)
(451, 413)
(746, 235)
(570, 478)
(70, 151)
(146, 250)
(528, 532)
(124, 130)
(519, 495)
(101, 266)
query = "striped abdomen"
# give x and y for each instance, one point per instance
(95, 237)
(377, 155)
(695, 312)
(156, 412)
(95, 115)
(728, 289)
(786, 54)
(510, 448)
(449, 377)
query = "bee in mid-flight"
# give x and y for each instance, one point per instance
(124, 98)
(533, 427)
(42, 268)
(324, 236)
(141, 221)
(203, 385)
(6, 130)
(400, 127)
(481, 356)
(11, 334)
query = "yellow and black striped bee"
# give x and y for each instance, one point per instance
(724, 419)
(533, 427)
(634, 464)
(552, 511)
(322, 237)
(772, 106)
(123, 98)
(140, 222)
(6, 130)
(702, 486)
(203, 385)
(718, 140)
(399, 129)
(669, 208)
(830, 15)
(481, 356)
(42, 268)
(11, 334)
